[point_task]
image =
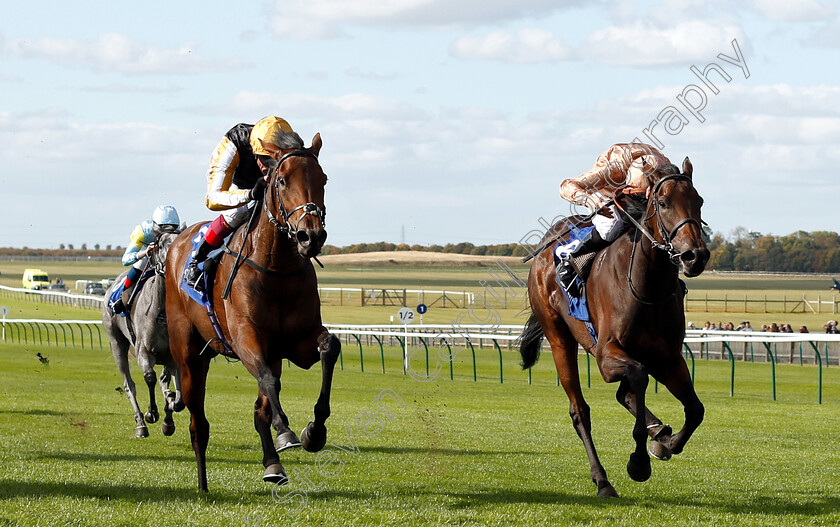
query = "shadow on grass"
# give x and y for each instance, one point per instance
(37, 411)
(10, 489)
(804, 504)
(444, 451)
(163, 458)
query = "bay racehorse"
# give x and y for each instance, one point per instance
(144, 328)
(635, 301)
(272, 311)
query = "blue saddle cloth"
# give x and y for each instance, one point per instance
(577, 304)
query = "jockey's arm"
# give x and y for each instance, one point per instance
(135, 250)
(220, 179)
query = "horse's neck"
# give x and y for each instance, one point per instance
(650, 270)
(271, 248)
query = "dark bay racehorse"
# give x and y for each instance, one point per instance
(272, 312)
(636, 305)
(145, 330)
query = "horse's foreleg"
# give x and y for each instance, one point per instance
(274, 472)
(147, 364)
(678, 382)
(616, 365)
(268, 380)
(314, 436)
(120, 350)
(656, 430)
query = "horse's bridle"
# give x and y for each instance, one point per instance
(673, 254)
(667, 236)
(307, 209)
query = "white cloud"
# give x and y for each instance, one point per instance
(116, 53)
(644, 44)
(527, 46)
(793, 10)
(313, 19)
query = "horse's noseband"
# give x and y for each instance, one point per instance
(307, 209)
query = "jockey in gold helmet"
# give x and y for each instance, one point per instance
(237, 178)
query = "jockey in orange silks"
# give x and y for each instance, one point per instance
(622, 167)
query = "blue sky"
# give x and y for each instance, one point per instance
(456, 119)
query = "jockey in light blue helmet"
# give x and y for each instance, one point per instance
(143, 237)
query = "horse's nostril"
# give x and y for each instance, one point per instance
(303, 237)
(688, 256)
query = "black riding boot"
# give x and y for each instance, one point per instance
(192, 272)
(566, 272)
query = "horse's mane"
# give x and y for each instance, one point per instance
(636, 205)
(289, 141)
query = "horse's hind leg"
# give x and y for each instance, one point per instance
(274, 472)
(658, 432)
(119, 347)
(314, 436)
(147, 363)
(564, 350)
(168, 424)
(678, 382)
(616, 365)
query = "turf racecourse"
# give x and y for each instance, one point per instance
(459, 452)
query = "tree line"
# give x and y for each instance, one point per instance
(742, 250)
(801, 252)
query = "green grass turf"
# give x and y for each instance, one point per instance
(459, 452)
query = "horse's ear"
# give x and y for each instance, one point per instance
(316, 144)
(687, 168)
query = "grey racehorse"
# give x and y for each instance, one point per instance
(146, 331)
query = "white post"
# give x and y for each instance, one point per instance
(405, 352)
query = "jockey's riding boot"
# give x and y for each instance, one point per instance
(192, 272)
(593, 242)
(566, 272)
(118, 307)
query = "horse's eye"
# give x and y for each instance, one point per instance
(662, 204)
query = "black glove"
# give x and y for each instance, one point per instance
(259, 189)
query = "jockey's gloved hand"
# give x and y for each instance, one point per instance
(259, 189)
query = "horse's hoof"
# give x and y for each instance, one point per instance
(151, 417)
(141, 431)
(659, 450)
(178, 406)
(286, 440)
(313, 437)
(638, 467)
(167, 428)
(607, 491)
(275, 474)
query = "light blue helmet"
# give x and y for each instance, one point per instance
(166, 215)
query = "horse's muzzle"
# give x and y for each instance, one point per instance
(694, 261)
(310, 241)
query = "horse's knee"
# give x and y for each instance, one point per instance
(695, 412)
(329, 347)
(150, 377)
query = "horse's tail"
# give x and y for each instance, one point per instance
(529, 342)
